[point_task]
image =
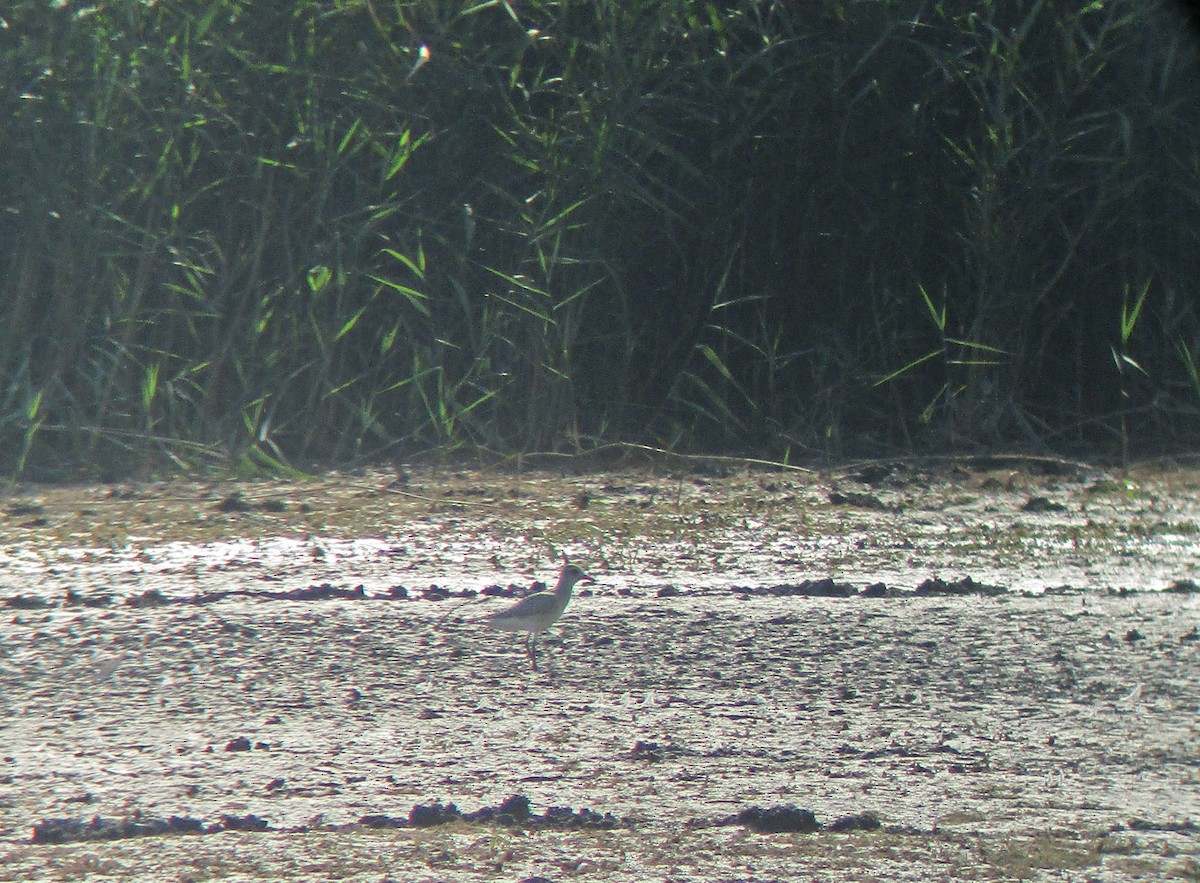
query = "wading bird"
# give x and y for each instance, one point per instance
(537, 612)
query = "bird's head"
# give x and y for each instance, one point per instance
(573, 573)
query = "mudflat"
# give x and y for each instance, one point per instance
(984, 670)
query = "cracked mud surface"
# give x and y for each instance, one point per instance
(1039, 732)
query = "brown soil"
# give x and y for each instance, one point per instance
(243, 655)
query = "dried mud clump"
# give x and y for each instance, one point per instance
(101, 599)
(28, 602)
(964, 586)
(511, 813)
(790, 819)
(830, 588)
(1187, 826)
(861, 501)
(514, 812)
(782, 819)
(148, 598)
(865, 821)
(75, 830)
(809, 588)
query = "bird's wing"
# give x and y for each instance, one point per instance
(528, 606)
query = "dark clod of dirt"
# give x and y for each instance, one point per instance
(74, 599)
(422, 816)
(244, 823)
(809, 588)
(1062, 590)
(1042, 504)
(513, 812)
(21, 509)
(235, 502)
(964, 586)
(1184, 587)
(241, 743)
(509, 591)
(512, 590)
(1187, 826)
(875, 473)
(75, 830)
(860, 501)
(668, 592)
(781, 819)
(865, 821)
(563, 818)
(28, 602)
(826, 588)
(148, 598)
(1134, 635)
(790, 819)
(323, 592)
(874, 590)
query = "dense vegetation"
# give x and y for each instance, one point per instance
(319, 231)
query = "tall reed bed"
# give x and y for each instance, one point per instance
(286, 233)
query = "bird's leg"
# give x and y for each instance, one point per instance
(531, 649)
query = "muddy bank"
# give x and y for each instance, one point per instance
(284, 682)
(1007, 527)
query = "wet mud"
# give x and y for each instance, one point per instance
(763, 682)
